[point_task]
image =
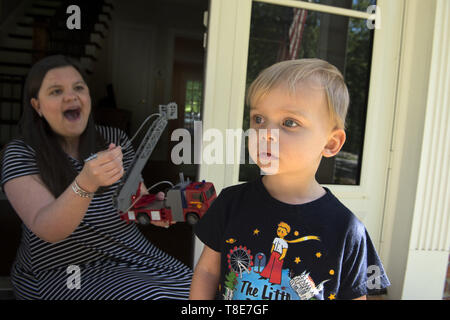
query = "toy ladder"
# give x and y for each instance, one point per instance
(131, 179)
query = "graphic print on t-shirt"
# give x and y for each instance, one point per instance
(262, 277)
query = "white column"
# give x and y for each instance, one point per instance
(224, 91)
(430, 237)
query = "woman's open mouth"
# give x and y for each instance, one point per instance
(72, 114)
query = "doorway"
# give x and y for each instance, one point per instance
(157, 58)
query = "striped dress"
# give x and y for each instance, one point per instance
(104, 258)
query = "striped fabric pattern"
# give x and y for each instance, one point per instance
(114, 259)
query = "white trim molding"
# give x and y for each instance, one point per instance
(431, 221)
(224, 89)
(430, 238)
(416, 232)
(320, 8)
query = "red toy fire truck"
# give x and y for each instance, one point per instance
(186, 201)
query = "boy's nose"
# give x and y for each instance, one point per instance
(269, 134)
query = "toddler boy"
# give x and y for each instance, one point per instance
(283, 236)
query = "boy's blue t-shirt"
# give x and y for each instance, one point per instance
(277, 251)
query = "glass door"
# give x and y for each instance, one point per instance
(280, 33)
(246, 36)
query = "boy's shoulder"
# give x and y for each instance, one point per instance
(236, 188)
(238, 192)
(336, 206)
(340, 214)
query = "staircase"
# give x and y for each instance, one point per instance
(36, 29)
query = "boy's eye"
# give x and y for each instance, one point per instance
(257, 119)
(290, 123)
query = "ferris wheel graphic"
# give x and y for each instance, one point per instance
(240, 260)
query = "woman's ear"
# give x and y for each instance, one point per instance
(35, 105)
(335, 143)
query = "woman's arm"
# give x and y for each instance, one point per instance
(48, 218)
(206, 275)
(53, 219)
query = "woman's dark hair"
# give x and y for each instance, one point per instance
(56, 170)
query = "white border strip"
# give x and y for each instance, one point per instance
(319, 7)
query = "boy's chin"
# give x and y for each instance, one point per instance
(269, 169)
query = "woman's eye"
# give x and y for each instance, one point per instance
(290, 123)
(79, 88)
(55, 92)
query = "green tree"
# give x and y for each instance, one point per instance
(231, 280)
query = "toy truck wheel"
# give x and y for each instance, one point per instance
(143, 219)
(192, 218)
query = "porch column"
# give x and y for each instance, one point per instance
(430, 238)
(224, 90)
(416, 236)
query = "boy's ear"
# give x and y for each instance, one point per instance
(335, 143)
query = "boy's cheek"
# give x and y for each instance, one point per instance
(253, 150)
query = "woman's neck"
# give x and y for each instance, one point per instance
(70, 146)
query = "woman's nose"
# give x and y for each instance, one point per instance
(70, 96)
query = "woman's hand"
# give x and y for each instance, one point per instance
(164, 224)
(159, 196)
(104, 170)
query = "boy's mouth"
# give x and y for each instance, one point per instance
(267, 155)
(72, 114)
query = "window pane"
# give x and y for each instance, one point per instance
(344, 42)
(193, 102)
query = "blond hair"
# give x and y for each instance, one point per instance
(291, 73)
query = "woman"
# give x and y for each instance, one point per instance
(74, 245)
